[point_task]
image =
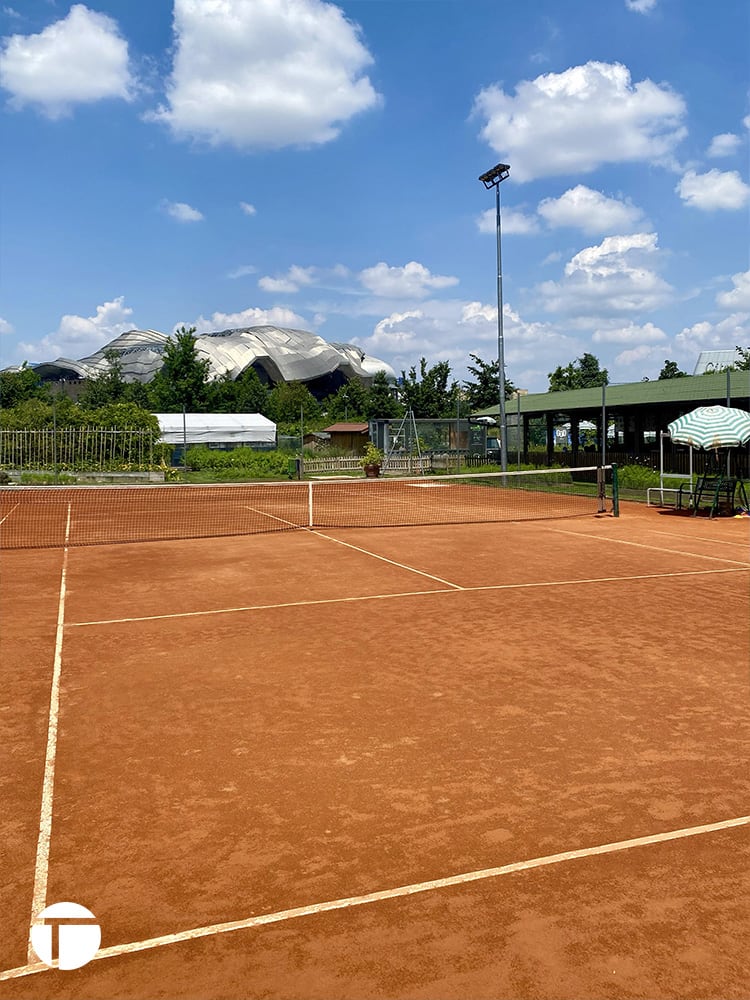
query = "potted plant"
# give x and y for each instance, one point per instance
(371, 461)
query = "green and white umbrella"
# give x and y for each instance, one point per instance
(712, 427)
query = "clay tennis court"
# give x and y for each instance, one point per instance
(438, 761)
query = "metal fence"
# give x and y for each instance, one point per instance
(77, 449)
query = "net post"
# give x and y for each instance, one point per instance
(310, 521)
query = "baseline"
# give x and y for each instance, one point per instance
(387, 894)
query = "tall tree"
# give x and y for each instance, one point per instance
(584, 373)
(349, 402)
(381, 402)
(484, 391)
(288, 399)
(245, 394)
(183, 378)
(671, 370)
(109, 387)
(429, 394)
(743, 365)
(20, 385)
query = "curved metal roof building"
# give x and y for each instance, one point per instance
(278, 354)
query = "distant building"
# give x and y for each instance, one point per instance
(277, 354)
(714, 361)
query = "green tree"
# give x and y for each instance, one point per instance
(381, 402)
(109, 387)
(671, 370)
(743, 365)
(584, 373)
(244, 394)
(288, 399)
(349, 402)
(429, 394)
(22, 384)
(484, 391)
(183, 378)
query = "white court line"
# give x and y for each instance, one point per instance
(41, 868)
(643, 545)
(408, 593)
(392, 562)
(9, 513)
(283, 520)
(413, 889)
(698, 538)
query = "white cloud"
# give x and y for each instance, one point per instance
(630, 334)
(265, 75)
(637, 355)
(727, 333)
(577, 120)
(5, 326)
(590, 211)
(290, 282)
(714, 190)
(641, 6)
(513, 222)
(450, 330)
(277, 316)
(725, 144)
(182, 212)
(78, 336)
(739, 297)
(248, 209)
(411, 281)
(615, 278)
(242, 271)
(80, 59)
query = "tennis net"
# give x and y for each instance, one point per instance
(41, 516)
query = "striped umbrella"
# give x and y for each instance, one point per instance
(712, 427)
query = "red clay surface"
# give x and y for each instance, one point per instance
(508, 692)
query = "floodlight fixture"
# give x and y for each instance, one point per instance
(500, 172)
(493, 179)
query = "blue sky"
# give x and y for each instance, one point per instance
(225, 163)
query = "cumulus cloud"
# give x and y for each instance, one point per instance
(247, 208)
(5, 326)
(727, 333)
(290, 282)
(265, 75)
(637, 355)
(641, 6)
(580, 119)
(713, 190)
(739, 296)
(514, 222)
(278, 316)
(591, 211)
(725, 144)
(79, 336)
(413, 280)
(630, 334)
(615, 278)
(81, 59)
(450, 330)
(181, 212)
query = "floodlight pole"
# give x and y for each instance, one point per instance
(493, 178)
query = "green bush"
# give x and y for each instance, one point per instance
(245, 461)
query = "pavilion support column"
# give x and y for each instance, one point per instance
(549, 417)
(525, 419)
(574, 433)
